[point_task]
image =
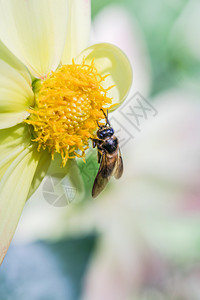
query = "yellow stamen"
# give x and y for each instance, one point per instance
(67, 110)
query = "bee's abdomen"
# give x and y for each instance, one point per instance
(110, 144)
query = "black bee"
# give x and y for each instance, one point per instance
(109, 157)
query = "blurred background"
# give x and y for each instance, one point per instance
(140, 239)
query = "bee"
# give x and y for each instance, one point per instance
(109, 156)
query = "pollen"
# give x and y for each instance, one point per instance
(67, 108)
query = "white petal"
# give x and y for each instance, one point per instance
(35, 32)
(109, 59)
(170, 141)
(12, 142)
(116, 25)
(14, 188)
(40, 172)
(12, 60)
(78, 29)
(16, 96)
(11, 119)
(183, 40)
(62, 188)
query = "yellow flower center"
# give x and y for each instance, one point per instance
(67, 108)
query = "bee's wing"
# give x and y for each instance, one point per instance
(106, 168)
(118, 166)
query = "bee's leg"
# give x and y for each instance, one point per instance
(101, 152)
(99, 157)
(95, 142)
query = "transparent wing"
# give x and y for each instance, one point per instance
(118, 166)
(107, 166)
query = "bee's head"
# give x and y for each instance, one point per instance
(104, 132)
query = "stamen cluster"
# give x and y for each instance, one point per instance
(67, 108)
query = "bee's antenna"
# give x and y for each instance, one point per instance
(106, 117)
(99, 125)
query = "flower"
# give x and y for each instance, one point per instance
(52, 90)
(147, 238)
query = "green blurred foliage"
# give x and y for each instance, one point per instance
(156, 18)
(46, 270)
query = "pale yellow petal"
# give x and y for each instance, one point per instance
(78, 29)
(35, 31)
(11, 119)
(16, 96)
(14, 188)
(109, 59)
(12, 142)
(12, 60)
(40, 172)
